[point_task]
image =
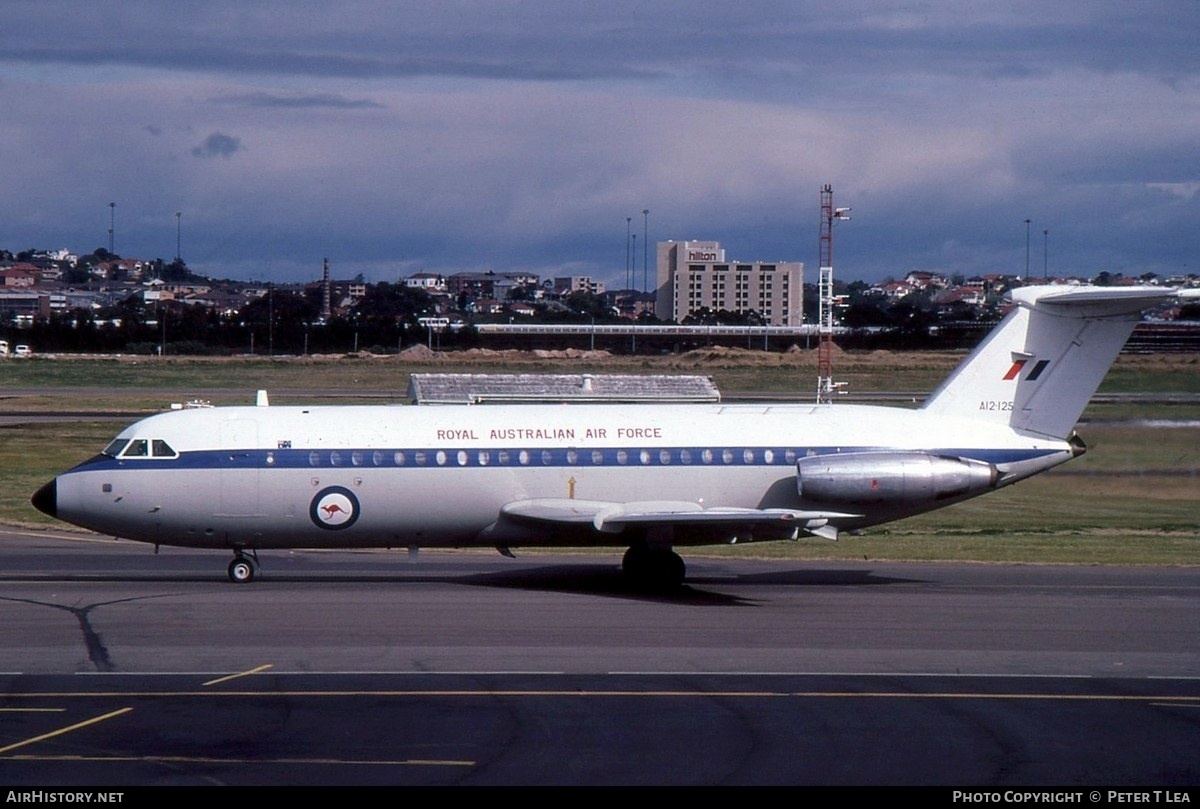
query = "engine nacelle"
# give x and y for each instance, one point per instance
(891, 477)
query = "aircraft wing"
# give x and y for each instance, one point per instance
(523, 520)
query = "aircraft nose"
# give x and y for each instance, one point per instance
(45, 499)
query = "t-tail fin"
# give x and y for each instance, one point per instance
(1037, 370)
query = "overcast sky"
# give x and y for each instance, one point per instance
(395, 138)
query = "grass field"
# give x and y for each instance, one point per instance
(143, 381)
(1134, 498)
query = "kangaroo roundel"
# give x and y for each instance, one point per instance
(334, 508)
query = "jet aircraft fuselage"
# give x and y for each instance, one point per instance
(643, 476)
(371, 476)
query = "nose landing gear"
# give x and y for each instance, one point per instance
(243, 568)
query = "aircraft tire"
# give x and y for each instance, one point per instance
(672, 570)
(635, 561)
(654, 569)
(241, 570)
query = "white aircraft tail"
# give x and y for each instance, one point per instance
(1037, 370)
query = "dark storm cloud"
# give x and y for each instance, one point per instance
(569, 41)
(317, 100)
(281, 61)
(218, 145)
(944, 123)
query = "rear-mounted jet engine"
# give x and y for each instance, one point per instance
(891, 477)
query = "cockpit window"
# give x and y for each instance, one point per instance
(138, 448)
(114, 449)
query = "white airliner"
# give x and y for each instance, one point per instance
(644, 477)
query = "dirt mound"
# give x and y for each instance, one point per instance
(571, 354)
(418, 352)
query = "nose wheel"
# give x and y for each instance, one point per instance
(243, 569)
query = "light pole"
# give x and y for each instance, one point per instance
(645, 248)
(270, 319)
(112, 223)
(633, 338)
(1026, 249)
(1045, 254)
(629, 277)
(178, 234)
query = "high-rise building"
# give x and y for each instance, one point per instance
(694, 275)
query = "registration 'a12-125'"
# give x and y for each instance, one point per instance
(993, 405)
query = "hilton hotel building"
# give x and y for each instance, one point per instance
(694, 275)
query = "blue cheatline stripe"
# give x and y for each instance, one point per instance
(523, 458)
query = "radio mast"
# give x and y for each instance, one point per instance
(826, 299)
(326, 310)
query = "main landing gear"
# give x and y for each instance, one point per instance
(654, 567)
(243, 568)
